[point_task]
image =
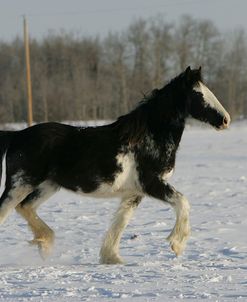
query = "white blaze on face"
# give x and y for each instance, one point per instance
(211, 100)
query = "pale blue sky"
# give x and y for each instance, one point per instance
(99, 17)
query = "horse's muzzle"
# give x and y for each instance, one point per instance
(226, 120)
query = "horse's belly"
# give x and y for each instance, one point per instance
(105, 190)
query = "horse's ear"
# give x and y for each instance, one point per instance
(199, 73)
(187, 74)
(187, 70)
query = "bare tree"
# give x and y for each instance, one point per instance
(80, 78)
(161, 47)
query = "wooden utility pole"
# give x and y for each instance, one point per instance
(28, 73)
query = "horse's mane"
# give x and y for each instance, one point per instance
(133, 125)
(159, 106)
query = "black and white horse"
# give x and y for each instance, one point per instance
(129, 158)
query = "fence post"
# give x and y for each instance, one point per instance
(28, 74)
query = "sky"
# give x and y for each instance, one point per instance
(91, 17)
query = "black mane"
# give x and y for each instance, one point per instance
(162, 107)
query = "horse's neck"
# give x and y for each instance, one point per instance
(161, 144)
(169, 131)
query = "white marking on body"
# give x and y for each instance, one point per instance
(126, 181)
(211, 100)
(3, 176)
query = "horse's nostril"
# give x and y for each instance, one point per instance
(225, 121)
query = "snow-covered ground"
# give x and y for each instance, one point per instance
(211, 171)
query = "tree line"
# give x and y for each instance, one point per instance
(83, 78)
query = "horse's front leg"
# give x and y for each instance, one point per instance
(109, 253)
(181, 230)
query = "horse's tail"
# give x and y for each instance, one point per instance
(5, 139)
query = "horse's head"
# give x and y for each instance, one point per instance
(203, 104)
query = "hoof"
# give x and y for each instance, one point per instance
(114, 259)
(177, 243)
(45, 246)
(178, 238)
(177, 247)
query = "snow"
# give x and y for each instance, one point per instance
(211, 171)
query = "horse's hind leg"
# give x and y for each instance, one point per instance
(12, 196)
(109, 253)
(43, 234)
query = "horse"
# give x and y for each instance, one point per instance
(131, 157)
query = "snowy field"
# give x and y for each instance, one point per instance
(211, 171)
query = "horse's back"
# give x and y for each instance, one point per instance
(69, 156)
